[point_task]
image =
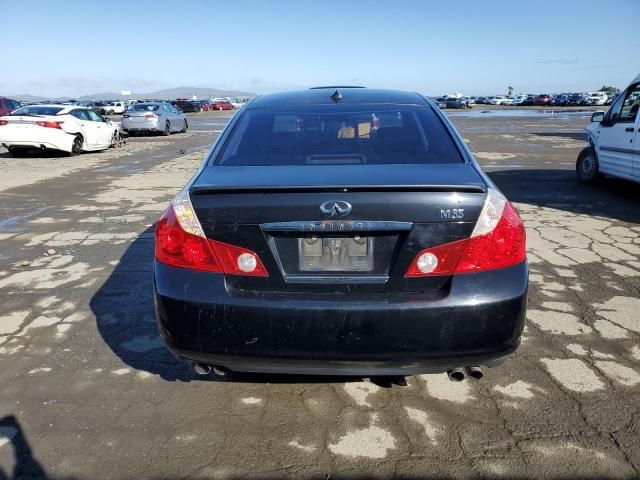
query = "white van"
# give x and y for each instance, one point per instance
(614, 141)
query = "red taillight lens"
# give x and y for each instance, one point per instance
(150, 115)
(445, 257)
(237, 260)
(4, 122)
(126, 116)
(48, 124)
(178, 248)
(502, 247)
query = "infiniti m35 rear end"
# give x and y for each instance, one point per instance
(340, 231)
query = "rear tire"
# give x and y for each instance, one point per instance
(76, 147)
(185, 126)
(587, 168)
(167, 129)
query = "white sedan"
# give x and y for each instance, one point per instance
(67, 128)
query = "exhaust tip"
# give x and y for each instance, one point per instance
(202, 368)
(456, 374)
(475, 372)
(220, 370)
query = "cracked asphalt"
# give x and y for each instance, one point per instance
(87, 389)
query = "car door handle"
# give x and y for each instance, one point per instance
(629, 129)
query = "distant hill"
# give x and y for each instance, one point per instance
(169, 93)
(25, 97)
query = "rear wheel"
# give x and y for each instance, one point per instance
(18, 152)
(167, 129)
(76, 147)
(587, 168)
(185, 126)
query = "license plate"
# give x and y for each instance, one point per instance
(335, 254)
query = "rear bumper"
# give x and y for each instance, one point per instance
(479, 322)
(143, 126)
(54, 139)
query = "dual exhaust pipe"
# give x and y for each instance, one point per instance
(206, 369)
(459, 374)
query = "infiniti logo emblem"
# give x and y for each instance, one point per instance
(336, 208)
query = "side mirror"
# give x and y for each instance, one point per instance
(597, 117)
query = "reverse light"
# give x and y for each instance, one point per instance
(49, 124)
(427, 262)
(247, 262)
(181, 242)
(497, 241)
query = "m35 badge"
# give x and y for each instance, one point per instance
(452, 214)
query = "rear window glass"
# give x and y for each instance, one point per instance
(142, 107)
(37, 110)
(407, 135)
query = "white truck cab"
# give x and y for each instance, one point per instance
(116, 107)
(597, 98)
(614, 140)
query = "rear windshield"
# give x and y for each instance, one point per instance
(37, 110)
(142, 107)
(407, 135)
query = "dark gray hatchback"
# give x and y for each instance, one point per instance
(340, 231)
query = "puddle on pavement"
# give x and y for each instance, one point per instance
(125, 168)
(520, 112)
(13, 224)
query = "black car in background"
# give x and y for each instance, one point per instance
(576, 99)
(340, 231)
(455, 103)
(187, 106)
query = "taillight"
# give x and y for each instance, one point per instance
(180, 242)
(48, 124)
(498, 241)
(237, 260)
(150, 115)
(4, 122)
(125, 116)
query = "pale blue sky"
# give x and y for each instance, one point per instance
(76, 47)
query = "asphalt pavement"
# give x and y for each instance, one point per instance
(87, 389)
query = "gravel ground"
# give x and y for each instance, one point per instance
(87, 389)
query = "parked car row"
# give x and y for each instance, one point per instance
(546, 99)
(543, 100)
(118, 107)
(73, 129)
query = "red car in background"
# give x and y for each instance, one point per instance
(221, 105)
(206, 106)
(7, 106)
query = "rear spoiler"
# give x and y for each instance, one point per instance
(204, 189)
